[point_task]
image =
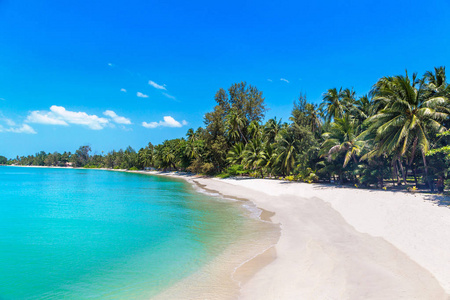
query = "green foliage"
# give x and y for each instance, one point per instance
(208, 168)
(91, 166)
(234, 170)
(398, 129)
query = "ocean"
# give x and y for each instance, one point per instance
(93, 234)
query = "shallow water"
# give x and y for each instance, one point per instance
(78, 234)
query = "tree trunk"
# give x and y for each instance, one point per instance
(239, 128)
(395, 172)
(415, 174)
(406, 171)
(430, 184)
(380, 178)
(402, 170)
(355, 177)
(413, 152)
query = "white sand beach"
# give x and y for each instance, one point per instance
(346, 243)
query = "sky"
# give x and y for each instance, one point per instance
(110, 74)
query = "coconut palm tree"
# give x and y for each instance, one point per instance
(253, 153)
(333, 105)
(194, 148)
(409, 116)
(268, 158)
(437, 81)
(362, 108)
(313, 117)
(271, 129)
(236, 154)
(146, 156)
(287, 151)
(348, 98)
(235, 124)
(190, 134)
(254, 130)
(342, 138)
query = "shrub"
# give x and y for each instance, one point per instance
(208, 168)
(223, 175)
(236, 170)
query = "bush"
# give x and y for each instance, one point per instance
(196, 166)
(223, 175)
(133, 169)
(236, 170)
(91, 167)
(208, 168)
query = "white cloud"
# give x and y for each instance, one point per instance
(123, 90)
(9, 122)
(110, 64)
(13, 127)
(156, 86)
(48, 118)
(2, 99)
(80, 118)
(169, 96)
(285, 80)
(168, 122)
(270, 80)
(117, 119)
(25, 128)
(150, 125)
(58, 115)
(141, 95)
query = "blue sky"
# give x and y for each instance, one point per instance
(94, 72)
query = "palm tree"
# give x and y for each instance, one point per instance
(362, 109)
(271, 129)
(342, 138)
(234, 125)
(313, 117)
(194, 148)
(268, 158)
(287, 151)
(348, 97)
(146, 156)
(168, 157)
(254, 130)
(436, 82)
(253, 153)
(333, 104)
(236, 154)
(190, 134)
(407, 119)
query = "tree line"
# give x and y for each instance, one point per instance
(395, 134)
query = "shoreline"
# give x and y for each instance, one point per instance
(239, 270)
(353, 243)
(394, 263)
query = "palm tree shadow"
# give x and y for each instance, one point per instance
(440, 200)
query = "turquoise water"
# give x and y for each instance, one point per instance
(91, 234)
